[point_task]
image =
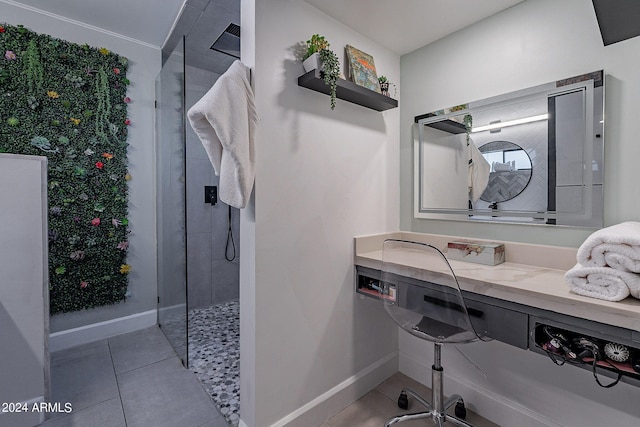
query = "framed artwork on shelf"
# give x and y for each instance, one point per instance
(362, 69)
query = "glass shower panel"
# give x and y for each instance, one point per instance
(170, 209)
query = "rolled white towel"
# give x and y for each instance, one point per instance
(502, 167)
(604, 283)
(617, 246)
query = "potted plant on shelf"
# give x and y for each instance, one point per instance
(319, 56)
(384, 86)
(314, 45)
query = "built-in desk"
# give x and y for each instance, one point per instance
(526, 291)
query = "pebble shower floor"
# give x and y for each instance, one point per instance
(214, 355)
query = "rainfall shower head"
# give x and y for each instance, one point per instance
(229, 41)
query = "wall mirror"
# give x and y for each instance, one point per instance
(533, 156)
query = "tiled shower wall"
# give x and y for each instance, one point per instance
(211, 278)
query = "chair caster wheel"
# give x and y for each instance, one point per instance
(461, 411)
(403, 401)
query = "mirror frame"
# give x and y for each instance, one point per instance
(589, 216)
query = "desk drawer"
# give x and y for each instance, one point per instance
(573, 336)
(435, 301)
(500, 323)
(488, 315)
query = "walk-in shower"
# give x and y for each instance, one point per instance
(198, 240)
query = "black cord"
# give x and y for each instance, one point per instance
(614, 368)
(561, 361)
(230, 240)
(594, 353)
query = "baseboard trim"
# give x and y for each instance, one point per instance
(172, 311)
(487, 403)
(97, 331)
(334, 400)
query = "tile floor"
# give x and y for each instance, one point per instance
(136, 380)
(131, 380)
(214, 355)
(214, 351)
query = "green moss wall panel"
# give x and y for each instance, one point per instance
(69, 102)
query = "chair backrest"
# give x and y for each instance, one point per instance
(421, 293)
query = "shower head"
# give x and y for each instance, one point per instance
(228, 42)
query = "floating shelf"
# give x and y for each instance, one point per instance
(348, 91)
(450, 126)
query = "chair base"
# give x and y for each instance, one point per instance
(436, 409)
(438, 418)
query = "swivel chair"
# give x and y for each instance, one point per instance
(420, 292)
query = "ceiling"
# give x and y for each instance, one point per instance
(146, 20)
(151, 21)
(202, 21)
(415, 24)
(400, 29)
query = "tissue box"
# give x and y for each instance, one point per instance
(478, 252)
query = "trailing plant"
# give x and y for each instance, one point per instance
(468, 124)
(103, 105)
(330, 64)
(331, 72)
(68, 102)
(33, 68)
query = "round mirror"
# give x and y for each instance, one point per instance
(510, 170)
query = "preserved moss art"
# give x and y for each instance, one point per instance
(68, 102)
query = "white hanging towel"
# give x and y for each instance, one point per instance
(479, 169)
(617, 246)
(225, 121)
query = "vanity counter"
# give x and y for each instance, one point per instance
(533, 275)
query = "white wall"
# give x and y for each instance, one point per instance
(24, 308)
(531, 43)
(322, 177)
(144, 65)
(248, 242)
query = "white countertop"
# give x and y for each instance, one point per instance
(534, 284)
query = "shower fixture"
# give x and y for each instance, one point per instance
(211, 194)
(228, 42)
